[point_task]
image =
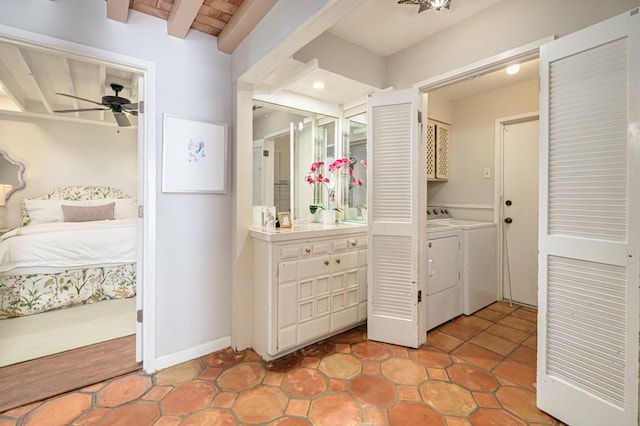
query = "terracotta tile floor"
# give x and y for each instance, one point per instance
(476, 370)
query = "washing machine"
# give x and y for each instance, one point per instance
(479, 287)
(444, 284)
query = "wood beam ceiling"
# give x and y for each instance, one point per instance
(229, 20)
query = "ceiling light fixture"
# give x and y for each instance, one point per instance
(318, 85)
(513, 69)
(428, 4)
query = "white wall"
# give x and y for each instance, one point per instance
(59, 153)
(472, 141)
(344, 58)
(507, 25)
(193, 235)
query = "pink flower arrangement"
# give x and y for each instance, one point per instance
(315, 177)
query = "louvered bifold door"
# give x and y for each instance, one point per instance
(589, 216)
(393, 173)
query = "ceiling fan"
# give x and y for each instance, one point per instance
(118, 105)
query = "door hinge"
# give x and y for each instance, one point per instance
(141, 107)
(140, 212)
(419, 296)
(419, 116)
(139, 315)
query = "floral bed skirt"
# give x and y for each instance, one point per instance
(22, 295)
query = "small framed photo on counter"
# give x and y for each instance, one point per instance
(285, 219)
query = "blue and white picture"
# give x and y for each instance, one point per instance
(194, 156)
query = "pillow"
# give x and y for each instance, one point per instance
(126, 208)
(88, 213)
(46, 211)
(43, 211)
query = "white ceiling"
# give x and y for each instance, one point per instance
(381, 26)
(385, 27)
(30, 79)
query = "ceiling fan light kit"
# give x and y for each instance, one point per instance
(428, 4)
(117, 104)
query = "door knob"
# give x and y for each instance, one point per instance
(508, 202)
(508, 220)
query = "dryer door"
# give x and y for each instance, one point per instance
(444, 263)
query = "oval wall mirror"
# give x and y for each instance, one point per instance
(11, 173)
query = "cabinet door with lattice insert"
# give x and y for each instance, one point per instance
(431, 149)
(443, 132)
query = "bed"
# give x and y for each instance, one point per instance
(76, 245)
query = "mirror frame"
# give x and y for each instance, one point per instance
(21, 181)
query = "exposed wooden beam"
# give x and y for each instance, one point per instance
(118, 10)
(181, 17)
(31, 76)
(12, 77)
(71, 88)
(242, 22)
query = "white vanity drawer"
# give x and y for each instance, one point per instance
(290, 252)
(344, 244)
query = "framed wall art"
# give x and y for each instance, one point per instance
(194, 155)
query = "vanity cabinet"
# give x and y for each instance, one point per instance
(307, 286)
(438, 138)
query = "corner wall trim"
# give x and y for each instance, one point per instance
(192, 353)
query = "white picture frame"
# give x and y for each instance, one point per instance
(194, 155)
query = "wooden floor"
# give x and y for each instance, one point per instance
(45, 377)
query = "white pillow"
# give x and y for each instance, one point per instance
(46, 211)
(126, 208)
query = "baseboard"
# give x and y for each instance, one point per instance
(192, 353)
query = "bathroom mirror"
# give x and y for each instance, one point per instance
(11, 173)
(286, 141)
(355, 148)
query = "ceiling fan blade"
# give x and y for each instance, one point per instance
(129, 106)
(134, 113)
(80, 110)
(77, 97)
(121, 119)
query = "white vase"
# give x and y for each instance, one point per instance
(329, 217)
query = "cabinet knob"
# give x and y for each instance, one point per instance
(326, 262)
(353, 243)
(337, 260)
(307, 250)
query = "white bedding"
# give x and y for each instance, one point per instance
(68, 245)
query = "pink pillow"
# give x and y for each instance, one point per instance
(88, 213)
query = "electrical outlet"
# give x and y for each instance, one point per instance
(487, 172)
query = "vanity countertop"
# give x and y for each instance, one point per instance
(308, 230)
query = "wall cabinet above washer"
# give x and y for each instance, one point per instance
(438, 139)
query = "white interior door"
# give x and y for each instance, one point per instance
(397, 232)
(589, 224)
(520, 211)
(140, 196)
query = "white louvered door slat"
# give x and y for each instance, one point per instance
(589, 222)
(393, 173)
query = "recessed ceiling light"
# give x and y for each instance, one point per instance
(513, 69)
(318, 85)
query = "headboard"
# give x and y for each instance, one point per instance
(74, 193)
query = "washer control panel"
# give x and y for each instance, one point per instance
(438, 213)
